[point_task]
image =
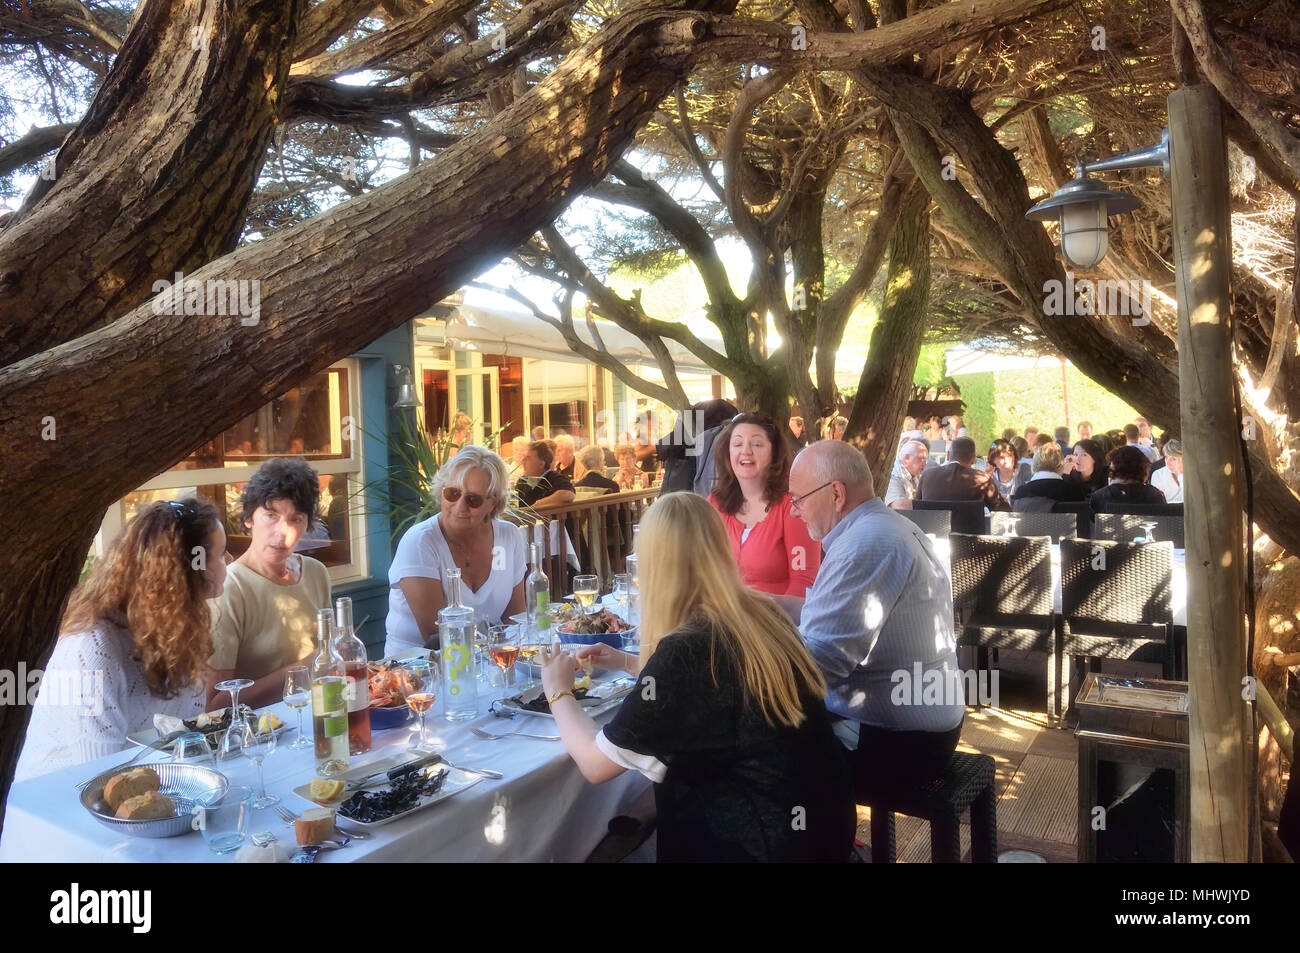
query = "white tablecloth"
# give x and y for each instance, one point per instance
(543, 810)
(1178, 588)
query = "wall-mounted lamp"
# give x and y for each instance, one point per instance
(406, 397)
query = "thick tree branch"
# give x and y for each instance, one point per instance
(39, 141)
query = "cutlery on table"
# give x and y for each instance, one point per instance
(488, 736)
(307, 853)
(392, 774)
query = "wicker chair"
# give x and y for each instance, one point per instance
(969, 784)
(1127, 527)
(1054, 525)
(938, 522)
(1115, 598)
(1002, 597)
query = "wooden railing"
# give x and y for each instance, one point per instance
(599, 529)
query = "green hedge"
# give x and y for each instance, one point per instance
(996, 400)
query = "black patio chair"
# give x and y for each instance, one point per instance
(1116, 598)
(1082, 513)
(1127, 527)
(938, 522)
(967, 515)
(1002, 598)
(1054, 525)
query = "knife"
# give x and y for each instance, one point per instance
(392, 774)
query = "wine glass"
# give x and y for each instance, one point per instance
(1149, 528)
(622, 593)
(297, 695)
(257, 744)
(232, 742)
(504, 650)
(1009, 526)
(422, 676)
(585, 590)
(192, 748)
(530, 646)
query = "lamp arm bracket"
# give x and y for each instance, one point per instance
(1157, 155)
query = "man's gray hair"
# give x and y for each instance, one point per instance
(591, 458)
(473, 457)
(564, 440)
(909, 447)
(837, 460)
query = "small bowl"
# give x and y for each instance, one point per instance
(395, 717)
(183, 783)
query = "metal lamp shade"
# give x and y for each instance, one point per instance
(1081, 207)
(406, 396)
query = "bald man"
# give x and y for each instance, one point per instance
(878, 623)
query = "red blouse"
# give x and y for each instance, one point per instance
(778, 556)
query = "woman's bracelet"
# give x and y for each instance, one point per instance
(558, 695)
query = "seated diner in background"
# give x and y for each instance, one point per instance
(629, 476)
(466, 534)
(751, 465)
(265, 620)
(589, 463)
(1129, 469)
(540, 485)
(905, 480)
(878, 623)
(959, 480)
(134, 640)
(1088, 470)
(1047, 486)
(1169, 478)
(728, 719)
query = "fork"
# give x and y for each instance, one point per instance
(289, 817)
(488, 736)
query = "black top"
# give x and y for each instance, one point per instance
(1087, 487)
(548, 483)
(592, 478)
(737, 788)
(1124, 493)
(1037, 496)
(567, 471)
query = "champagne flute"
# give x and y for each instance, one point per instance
(297, 695)
(257, 744)
(423, 677)
(585, 590)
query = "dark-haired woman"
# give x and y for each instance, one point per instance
(1088, 467)
(265, 620)
(751, 491)
(1129, 469)
(134, 640)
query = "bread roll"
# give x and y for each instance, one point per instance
(150, 806)
(128, 784)
(315, 825)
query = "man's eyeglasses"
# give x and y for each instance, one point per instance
(798, 500)
(451, 494)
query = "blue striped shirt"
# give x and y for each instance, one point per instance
(878, 622)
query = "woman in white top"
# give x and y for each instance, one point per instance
(1169, 478)
(466, 534)
(134, 640)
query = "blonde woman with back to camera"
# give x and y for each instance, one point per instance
(727, 718)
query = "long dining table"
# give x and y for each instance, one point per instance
(541, 810)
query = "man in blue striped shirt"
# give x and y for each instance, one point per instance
(878, 622)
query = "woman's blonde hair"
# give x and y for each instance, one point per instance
(1048, 458)
(147, 584)
(687, 570)
(473, 457)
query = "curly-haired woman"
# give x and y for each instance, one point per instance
(134, 639)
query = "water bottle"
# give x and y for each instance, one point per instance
(456, 636)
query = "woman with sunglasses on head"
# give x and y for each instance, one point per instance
(134, 640)
(465, 534)
(751, 491)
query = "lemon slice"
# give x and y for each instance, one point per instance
(324, 790)
(268, 722)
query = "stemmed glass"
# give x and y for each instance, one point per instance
(530, 646)
(257, 743)
(585, 590)
(422, 675)
(297, 695)
(1009, 526)
(504, 651)
(1149, 528)
(232, 742)
(622, 593)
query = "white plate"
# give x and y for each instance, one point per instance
(607, 696)
(457, 781)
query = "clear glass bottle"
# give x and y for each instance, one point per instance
(329, 702)
(456, 626)
(353, 652)
(537, 591)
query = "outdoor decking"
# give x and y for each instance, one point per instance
(1037, 774)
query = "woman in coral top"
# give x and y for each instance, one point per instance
(751, 491)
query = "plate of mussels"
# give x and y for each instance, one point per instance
(391, 799)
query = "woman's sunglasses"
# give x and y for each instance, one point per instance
(451, 494)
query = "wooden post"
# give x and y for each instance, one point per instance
(1222, 780)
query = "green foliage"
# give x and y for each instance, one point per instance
(930, 365)
(87, 567)
(1018, 399)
